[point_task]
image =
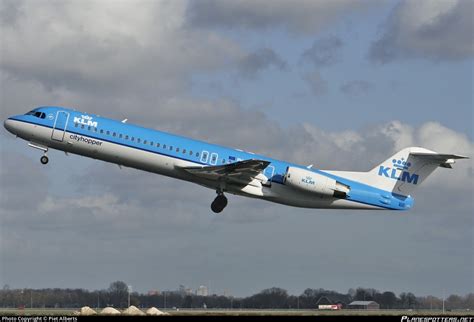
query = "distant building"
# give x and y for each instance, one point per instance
(183, 290)
(202, 291)
(325, 303)
(364, 305)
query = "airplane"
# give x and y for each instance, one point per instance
(387, 186)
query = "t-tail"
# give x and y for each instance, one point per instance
(403, 172)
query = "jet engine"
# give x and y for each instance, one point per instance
(316, 183)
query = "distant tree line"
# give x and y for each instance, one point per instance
(273, 298)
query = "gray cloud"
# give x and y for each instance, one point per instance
(250, 65)
(10, 11)
(316, 83)
(324, 52)
(436, 30)
(302, 16)
(86, 50)
(356, 88)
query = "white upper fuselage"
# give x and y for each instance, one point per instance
(166, 154)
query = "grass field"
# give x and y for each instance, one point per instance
(217, 312)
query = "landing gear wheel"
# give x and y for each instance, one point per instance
(44, 159)
(219, 203)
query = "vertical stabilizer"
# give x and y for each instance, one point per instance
(407, 169)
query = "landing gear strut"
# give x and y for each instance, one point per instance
(44, 159)
(219, 203)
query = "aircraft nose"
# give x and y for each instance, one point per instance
(9, 125)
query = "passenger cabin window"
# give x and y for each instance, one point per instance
(138, 140)
(145, 141)
(101, 131)
(177, 149)
(157, 145)
(164, 146)
(133, 139)
(204, 156)
(171, 148)
(108, 132)
(89, 128)
(213, 158)
(76, 124)
(82, 126)
(120, 135)
(151, 143)
(126, 137)
(114, 134)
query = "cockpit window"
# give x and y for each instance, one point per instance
(37, 113)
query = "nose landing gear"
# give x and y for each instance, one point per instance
(219, 203)
(44, 159)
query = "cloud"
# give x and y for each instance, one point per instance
(316, 83)
(324, 52)
(435, 30)
(356, 88)
(103, 47)
(302, 16)
(251, 64)
(10, 11)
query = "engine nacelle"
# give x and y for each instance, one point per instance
(316, 183)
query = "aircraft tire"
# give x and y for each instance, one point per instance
(44, 159)
(219, 204)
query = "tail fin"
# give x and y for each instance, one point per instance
(407, 169)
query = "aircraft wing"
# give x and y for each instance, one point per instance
(241, 171)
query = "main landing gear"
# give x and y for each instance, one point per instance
(219, 203)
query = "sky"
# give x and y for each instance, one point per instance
(338, 84)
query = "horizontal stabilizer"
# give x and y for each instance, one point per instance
(438, 156)
(443, 160)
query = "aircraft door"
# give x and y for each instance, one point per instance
(60, 125)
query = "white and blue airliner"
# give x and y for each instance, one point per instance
(227, 170)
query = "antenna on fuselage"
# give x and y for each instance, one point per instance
(124, 120)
